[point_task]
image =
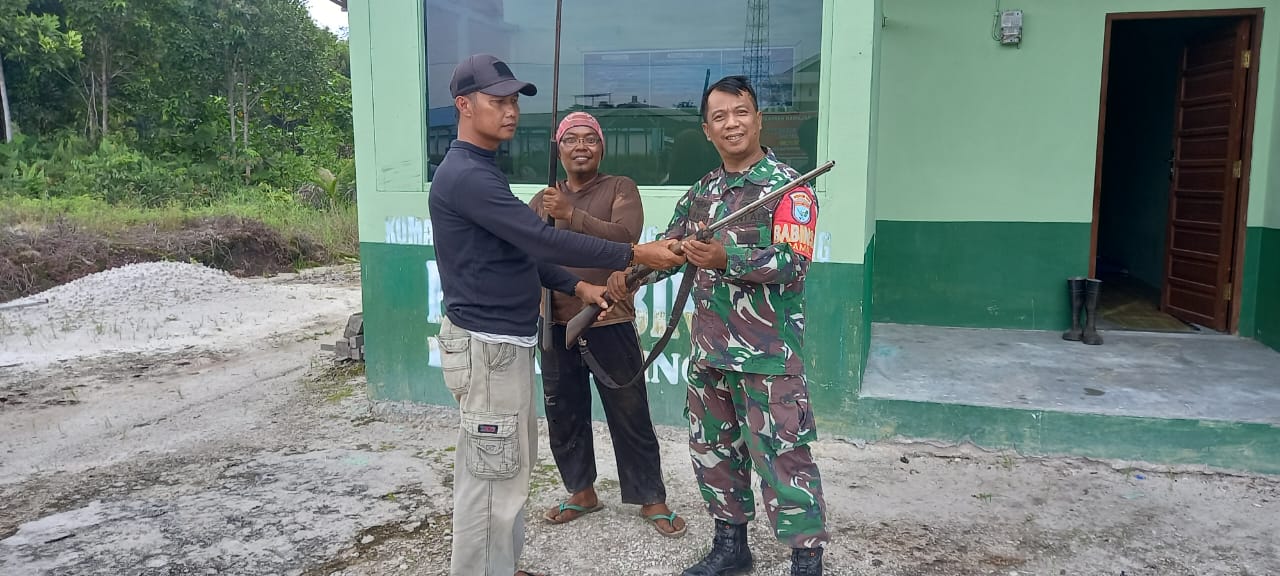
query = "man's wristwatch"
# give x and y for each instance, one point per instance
(632, 262)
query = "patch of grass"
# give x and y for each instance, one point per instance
(45, 242)
(335, 229)
(544, 476)
(342, 393)
(334, 382)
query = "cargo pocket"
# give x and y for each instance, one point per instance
(493, 448)
(790, 414)
(455, 362)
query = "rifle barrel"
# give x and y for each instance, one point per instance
(552, 157)
(585, 318)
(770, 197)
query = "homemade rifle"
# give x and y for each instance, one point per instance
(640, 274)
(553, 156)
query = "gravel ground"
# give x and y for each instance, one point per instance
(155, 307)
(243, 449)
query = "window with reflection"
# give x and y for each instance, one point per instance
(640, 68)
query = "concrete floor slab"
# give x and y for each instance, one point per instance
(1194, 376)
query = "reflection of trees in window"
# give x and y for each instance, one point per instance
(640, 68)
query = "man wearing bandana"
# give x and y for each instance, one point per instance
(605, 206)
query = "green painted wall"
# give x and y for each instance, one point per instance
(920, 167)
(362, 104)
(399, 84)
(1249, 291)
(1267, 264)
(1270, 202)
(403, 305)
(388, 111)
(873, 157)
(1245, 447)
(974, 131)
(402, 367)
(1267, 323)
(979, 144)
(868, 310)
(397, 254)
(978, 274)
(845, 122)
(1267, 292)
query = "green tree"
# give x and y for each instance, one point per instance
(263, 61)
(276, 52)
(118, 38)
(213, 95)
(37, 41)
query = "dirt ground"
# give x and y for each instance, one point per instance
(36, 257)
(213, 436)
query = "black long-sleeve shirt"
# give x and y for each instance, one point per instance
(494, 254)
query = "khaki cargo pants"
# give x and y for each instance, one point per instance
(497, 445)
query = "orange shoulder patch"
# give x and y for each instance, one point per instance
(795, 222)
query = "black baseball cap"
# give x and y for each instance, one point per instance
(486, 73)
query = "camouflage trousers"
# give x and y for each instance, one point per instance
(740, 420)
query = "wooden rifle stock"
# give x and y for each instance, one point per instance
(640, 274)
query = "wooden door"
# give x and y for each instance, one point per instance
(1203, 195)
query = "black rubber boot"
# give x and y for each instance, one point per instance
(729, 553)
(806, 562)
(1075, 287)
(1092, 289)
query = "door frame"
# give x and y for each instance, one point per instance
(1246, 151)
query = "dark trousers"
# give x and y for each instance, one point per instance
(567, 390)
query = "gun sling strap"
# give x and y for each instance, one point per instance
(677, 308)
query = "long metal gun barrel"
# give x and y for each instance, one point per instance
(552, 158)
(640, 274)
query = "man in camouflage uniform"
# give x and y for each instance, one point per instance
(748, 401)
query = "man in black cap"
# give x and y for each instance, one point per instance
(494, 254)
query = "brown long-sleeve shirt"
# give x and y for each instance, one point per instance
(607, 207)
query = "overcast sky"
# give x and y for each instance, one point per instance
(328, 14)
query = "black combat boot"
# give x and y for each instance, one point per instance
(1092, 289)
(806, 562)
(729, 553)
(1075, 286)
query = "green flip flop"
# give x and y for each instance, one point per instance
(582, 511)
(653, 519)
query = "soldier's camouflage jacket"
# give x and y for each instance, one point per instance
(750, 316)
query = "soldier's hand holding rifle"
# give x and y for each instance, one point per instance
(709, 254)
(671, 252)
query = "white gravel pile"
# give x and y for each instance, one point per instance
(156, 307)
(162, 283)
